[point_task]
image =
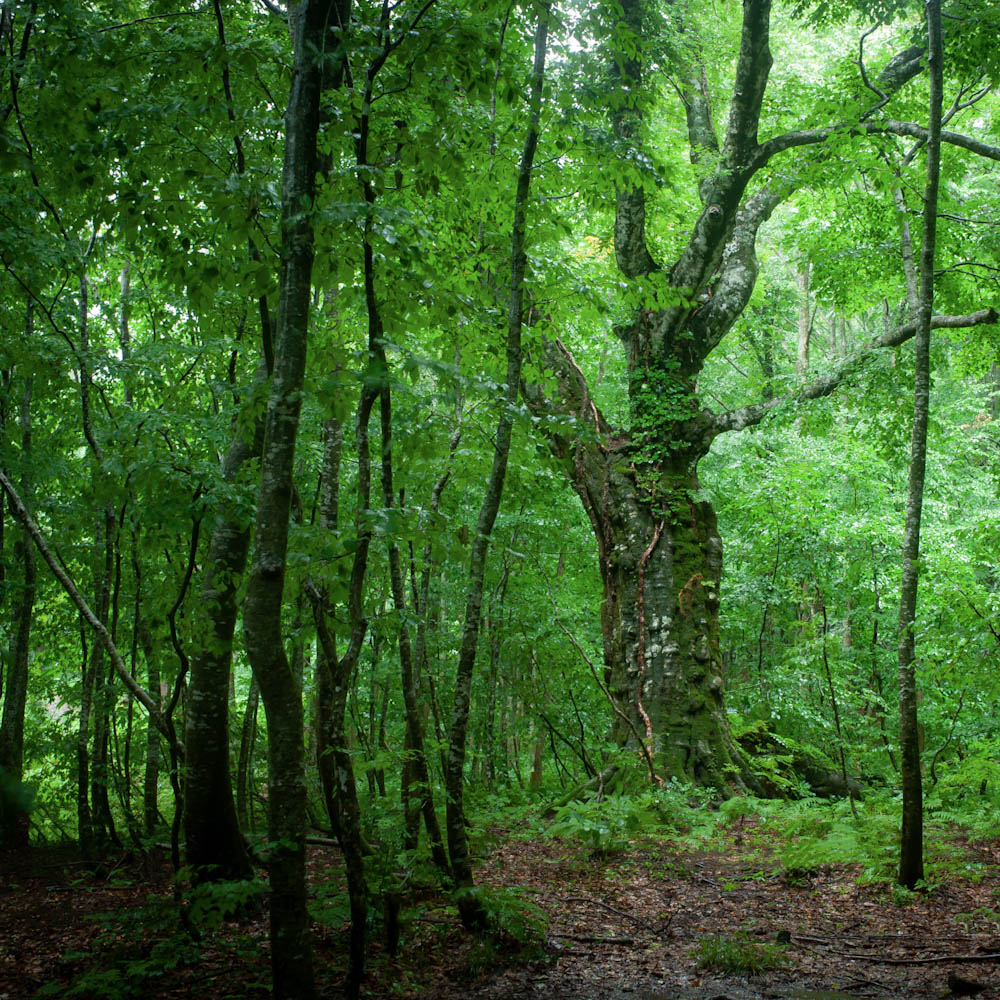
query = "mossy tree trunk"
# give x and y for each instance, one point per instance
(911, 852)
(659, 549)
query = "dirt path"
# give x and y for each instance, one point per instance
(623, 926)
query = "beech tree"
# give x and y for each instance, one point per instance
(658, 544)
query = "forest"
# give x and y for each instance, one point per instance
(499, 497)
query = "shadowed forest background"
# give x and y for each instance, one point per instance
(425, 426)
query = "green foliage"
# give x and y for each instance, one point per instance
(608, 823)
(15, 796)
(211, 903)
(515, 928)
(137, 945)
(739, 954)
(133, 948)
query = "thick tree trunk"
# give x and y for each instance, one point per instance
(661, 561)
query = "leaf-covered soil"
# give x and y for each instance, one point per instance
(627, 924)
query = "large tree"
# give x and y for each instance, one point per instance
(657, 537)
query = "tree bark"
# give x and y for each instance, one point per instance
(656, 532)
(313, 23)
(14, 821)
(333, 679)
(911, 861)
(244, 764)
(470, 909)
(661, 560)
(215, 846)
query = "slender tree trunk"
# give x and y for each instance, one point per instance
(333, 679)
(804, 324)
(911, 863)
(84, 820)
(416, 755)
(313, 23)
(244, 767)
(215, 845)
(470, 908)
(151, 771)
(14, 822)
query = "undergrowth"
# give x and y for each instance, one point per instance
(136, 946)
(793, 839)
(739, 954)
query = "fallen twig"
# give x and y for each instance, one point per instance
(593, 939)
(936, 960)
(638, 921)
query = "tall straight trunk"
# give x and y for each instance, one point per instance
(470, 908)
(151, 771)
(804, 322)
(416, 757)
(100, 774)
(312, 23)
(94, 815)
(84, 820)
(13, 821)
(244, 764)
(911, 860)
(215, 845)
(333, 678)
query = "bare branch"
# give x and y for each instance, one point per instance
(22, 514)
(814, 137)
(748, 416)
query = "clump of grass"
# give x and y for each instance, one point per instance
(739, 954)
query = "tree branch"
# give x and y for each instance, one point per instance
(735, 284)
(22, 514)
(812, 137)
(748, 416)
(752, 71)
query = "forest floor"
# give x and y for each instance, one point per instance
(629, 924)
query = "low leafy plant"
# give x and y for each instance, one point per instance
(516, 928)
(608, 823)
(511, 916)
(136, 946)
(739, 954)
